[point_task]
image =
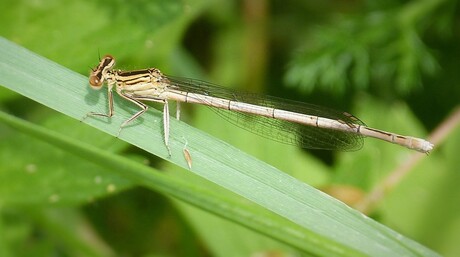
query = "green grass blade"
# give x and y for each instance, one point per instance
(317, 223)
(247, 215)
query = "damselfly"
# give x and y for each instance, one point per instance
(305, 125)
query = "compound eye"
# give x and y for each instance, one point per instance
(95, 82)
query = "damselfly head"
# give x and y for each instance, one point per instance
(95, 80)
(98, 74)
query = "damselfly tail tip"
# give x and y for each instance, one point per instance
(429, 146)
(425, 147)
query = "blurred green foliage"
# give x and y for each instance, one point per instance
(383, 47)
(393, 63)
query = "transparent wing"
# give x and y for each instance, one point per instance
(278, 130)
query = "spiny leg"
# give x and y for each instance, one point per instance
(143, 107)
(166, 125)
(110, 100)
(177, 110)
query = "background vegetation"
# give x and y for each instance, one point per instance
(394, 64)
